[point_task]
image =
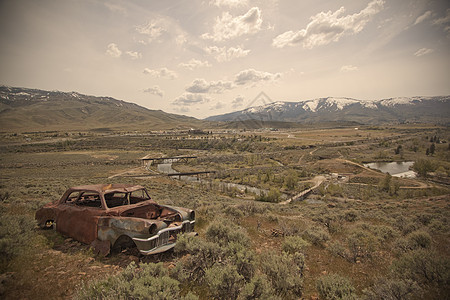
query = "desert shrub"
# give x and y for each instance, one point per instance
(225, 243)
(317, 236)
(224, 233)
(392, 289)
(294, 244)
(361, 244)
(338, 249)
(424, 218)
(203, 255)
(284, 272)
(233, 212)
(16, 233)
(290, 181)
(423, 166)
(437, 225)
(272, 196)
(350, 215)
(334, 190)
(419, 239)
(405, 225)
(383, 232)
(290, 227)
(423, 266)
(135, 283)
(258, 288)
(4, 196)
(243, 258)
(331, 220)
(223, 281)
(251, 208)
(334, 287)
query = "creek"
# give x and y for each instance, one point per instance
(166, 168)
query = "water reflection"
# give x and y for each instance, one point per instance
(397, 169)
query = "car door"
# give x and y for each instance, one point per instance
(78, 216)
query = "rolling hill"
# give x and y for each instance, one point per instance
(394, 110)
(23, 109)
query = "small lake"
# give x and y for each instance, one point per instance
(397, 169)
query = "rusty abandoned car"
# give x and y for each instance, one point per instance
(116, 216)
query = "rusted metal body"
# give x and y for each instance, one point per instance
(111, 216)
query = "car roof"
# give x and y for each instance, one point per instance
(107, 188)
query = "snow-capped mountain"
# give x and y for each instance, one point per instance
(397, 110)
(23, 109)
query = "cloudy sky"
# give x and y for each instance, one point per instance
(207, 57)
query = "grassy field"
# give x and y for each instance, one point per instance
(361, 234)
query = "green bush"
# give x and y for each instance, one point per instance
(424, 166)
(419, 239)
(284, 272)
(361, 244)
(337, 249)
(149, 281)
(16, 234)
(294, 244)
(423, 266)
(272, 196)
(203, 255)
(317, 236)
(224, 233)
(226, 243)
(223, 281)
(392, 289)
(383, 232)
(334, 287)
(243, 258)
(258, 288)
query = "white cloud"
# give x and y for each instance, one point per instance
(214, 87)
(423, 17)
(327, 27)
(222, 54)
(218, 105)
(444, 21)
(238, 102)
(134, 54)
(155, 91)
(116, 8)
(180, 39)
(253, 76)
(230, 3)
(152, 30)
(423, 51)
(228, 27)
(349, 68)
(194, 64)
(161, 73)
(182, 109)
(113, 51)
(188, 99)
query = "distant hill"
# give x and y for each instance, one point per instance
(394, 110)
(24, 109)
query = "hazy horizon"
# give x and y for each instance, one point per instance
(203, 58)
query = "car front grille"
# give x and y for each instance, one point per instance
(166, 236)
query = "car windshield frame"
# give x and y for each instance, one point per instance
(113, 202)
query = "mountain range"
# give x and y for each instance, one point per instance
(25, 109)
(393, 110)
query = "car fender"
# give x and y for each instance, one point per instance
(111, 228)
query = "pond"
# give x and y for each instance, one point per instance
(397, 169)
